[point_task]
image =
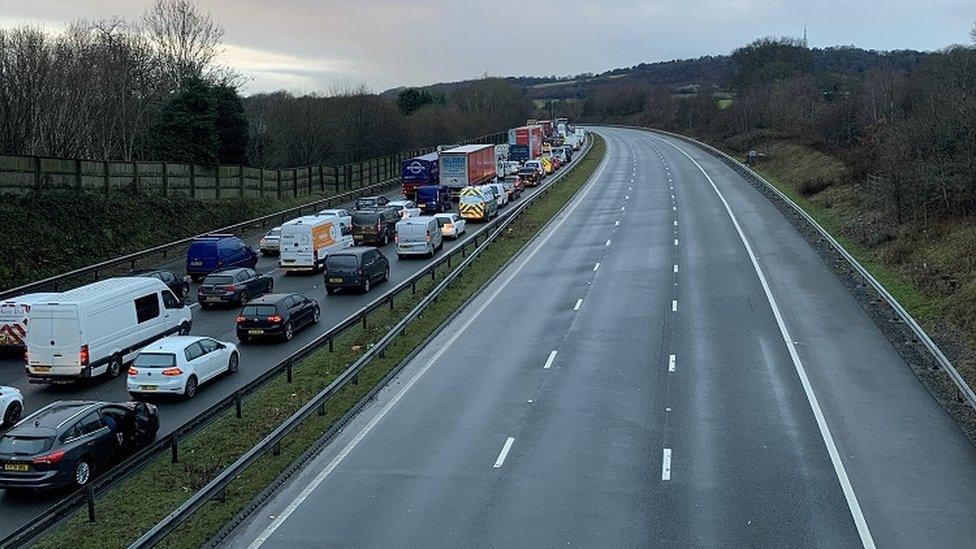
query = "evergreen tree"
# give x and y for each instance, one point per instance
(231, 124)
(186, 130)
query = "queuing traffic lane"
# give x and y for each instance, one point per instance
(510, 444)
(218, 323)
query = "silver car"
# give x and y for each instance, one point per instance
(271, 243)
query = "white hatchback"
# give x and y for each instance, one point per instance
(179, 364)
(451, 224)
(11, 406)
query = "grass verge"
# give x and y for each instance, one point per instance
(141, 501)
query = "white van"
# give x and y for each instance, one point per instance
(418, 236)
(307, 241)
(13, 319)
(95, 329)
(501, 193)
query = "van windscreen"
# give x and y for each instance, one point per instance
(154, 360)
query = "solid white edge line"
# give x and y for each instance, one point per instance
(579, 303)
(671, 361)
(504, 453)
(596, 267)
(674, 305)
(550, 360)
(616, 223)
(607, 244)
(320, 478)
(867, 540)
(675, 241)
(666, 464)
(675, 268)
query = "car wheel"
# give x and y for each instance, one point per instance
(185, 329)
(244, 298)
(233, 363)
(114, 367)
(289, 333)
(82, 474)
(366, 285)
(385, 241)
(316, 315)
(12, 415)
(329, 290)
(190, 389)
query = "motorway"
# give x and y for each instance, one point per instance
(18, 508)
(668, 364)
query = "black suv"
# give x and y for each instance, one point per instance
(276, 315)
(371, 202)
(65, 443)
(233, 286)
(375, 226)
(179, 285)
(357, 267)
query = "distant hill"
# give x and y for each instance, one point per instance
(710, 72)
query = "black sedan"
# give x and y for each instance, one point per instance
(66, 442)
(179, 285)
(233, 286)
(276, 315)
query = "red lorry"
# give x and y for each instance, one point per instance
(467, 165)
(530, 139)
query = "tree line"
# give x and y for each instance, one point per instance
(156, 89)
(907, 121)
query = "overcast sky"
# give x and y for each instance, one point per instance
(319, 45)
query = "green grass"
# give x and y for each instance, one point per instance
(141, 501)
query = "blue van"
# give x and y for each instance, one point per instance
(434, 199)
(217, 251)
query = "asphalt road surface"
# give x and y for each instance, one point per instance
(660, 368)
(18, 508)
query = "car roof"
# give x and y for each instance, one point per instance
(171, 344)
(214, 237)
(229, 271)
(445, 214)
(270, 299)
(51, 419)
(355, 250)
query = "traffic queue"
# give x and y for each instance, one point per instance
(141, 324)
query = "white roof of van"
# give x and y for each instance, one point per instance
(467, 148)
(27, 299)
(309, 220)
(97, 290)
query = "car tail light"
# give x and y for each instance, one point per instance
(360, 271)
(396, 238)
(241, 318)
(26, 357)
(378, 226)
(133, 371)
(428, 236)
(49, 459)
(448, 226)
(83, 355)
(231, 288)
(275, 318)
(172, 372)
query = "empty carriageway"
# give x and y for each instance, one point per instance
(667, 364)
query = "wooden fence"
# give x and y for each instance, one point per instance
(24, 174)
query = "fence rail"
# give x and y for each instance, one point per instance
(362, 180)
(964, 391)
(24, 174)
(170, 442)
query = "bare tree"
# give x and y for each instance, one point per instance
(187, 40)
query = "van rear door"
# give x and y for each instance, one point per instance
(54, 338)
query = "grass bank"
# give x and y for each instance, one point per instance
(144, 499)
(929, 268)
(49, 233)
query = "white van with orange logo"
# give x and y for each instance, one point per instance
(307, 241)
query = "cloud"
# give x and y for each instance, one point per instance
(269, 71)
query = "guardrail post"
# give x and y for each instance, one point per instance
(433, 272)
(413, 287)
(364, 321)
(331, 349)
(448, 262)
(355, 379)
(288, 370)
(90, 496)
(174, 450)
(321, 411)
(391, 302)
(277, 449)
(237, 404)
(464, 250)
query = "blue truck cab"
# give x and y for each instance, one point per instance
(217, 251)
(417, 172)
(433, 199)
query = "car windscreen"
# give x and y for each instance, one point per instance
(441, 221)
(367, 202)
(218, 280)
(24, 446)
(274, 232)
(365, 219)
(154, 360)
(338, 262)
(259, 310)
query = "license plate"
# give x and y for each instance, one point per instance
(150, 387)
(211, 299)
(335, 280)
(196, 263)
(41, 369)
(19, 467)
(255, 332)
(289, 261)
